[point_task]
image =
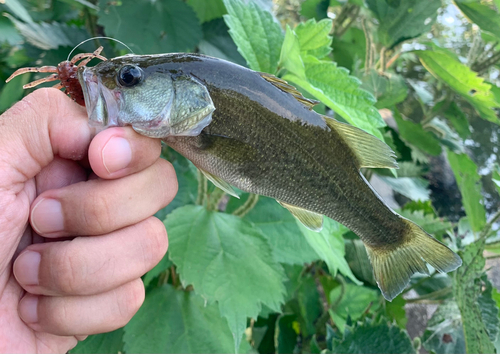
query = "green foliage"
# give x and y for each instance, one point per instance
(259, 281)
(257, 35)
(371, 337)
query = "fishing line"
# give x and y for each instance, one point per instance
(90, 39)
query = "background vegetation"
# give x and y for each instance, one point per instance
(242, 274)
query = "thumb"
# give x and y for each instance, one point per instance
(44, 124)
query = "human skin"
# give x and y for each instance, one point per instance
(75, 239)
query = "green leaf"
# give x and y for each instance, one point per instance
(415, 135)
(462, 80)
(49, 35)
(13, 91)
(489, 309)
(19, 10)
(351, 302)
(173, 321)
(257, 35)
(329, 245)
(357, 258)
(467, 291)
(482, 15)
(218, 43)
(469, 183)
(314, 9)
(309, 305)
(207, 10)
(458, 119)
(290, 54)
(444, 333)
(403, 20)
(371, 337)
(8, 32)
(349, 50)
(314, 37)
(285, 334)
(111, 342)
(227, 260)
(344, 96)
(428, 222)
(414, 188)
(284, 236)
(496, 177)
(150, 27)
(395, 310)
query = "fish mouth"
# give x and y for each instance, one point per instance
(101, 104)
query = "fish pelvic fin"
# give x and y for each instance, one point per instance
(220, 183)
(393, 268)
(313, 221)
(369, 150)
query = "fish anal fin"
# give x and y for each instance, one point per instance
(286, 87)
(369, 150)
(310, 219)
(219, 183)
(393, 268)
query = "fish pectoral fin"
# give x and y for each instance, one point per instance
(219, 183)
(310, 219)
(370, 151)
(393, 268)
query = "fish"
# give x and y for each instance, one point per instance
(256, 132)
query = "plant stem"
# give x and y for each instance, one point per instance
(419, 282)
(214, 199)
(392, 60)
(202, 189)
(367, 44)
(431, 296)
(353, 14)
(247, 206)
(484, 233)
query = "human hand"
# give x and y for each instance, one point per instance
(82, 241)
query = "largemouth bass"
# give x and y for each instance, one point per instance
(254, 131)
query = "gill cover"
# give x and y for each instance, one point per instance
(157, 105)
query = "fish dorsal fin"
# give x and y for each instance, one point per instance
(219, 183)
(286, 87)
(370, 151)
(310, 219)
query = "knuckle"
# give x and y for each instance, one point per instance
(130, 301)
(66, 271)
(156, 242)
(167, 181)
(96, 213)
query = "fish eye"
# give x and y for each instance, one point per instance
(129, 75)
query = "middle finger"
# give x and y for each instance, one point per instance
(97, 207)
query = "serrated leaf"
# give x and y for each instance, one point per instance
(467, 290)
(111, 342)
(482, 15)
(444, 333)
(395, 310)
(290, 54)
(207, 10)
(388, 89)
(314, 37)
(403, 20)
(469, 183)
(352, 301)
(151, 27)
(462, 80)
(257, 35)
(174, 321)
(49, 35)
(18, 9)
(329, 245)
(358, 261)
(415, 135)
(414, 188)
(284, 236)
(227, 260)
(489, 309)
(344, 96)
(371, 337)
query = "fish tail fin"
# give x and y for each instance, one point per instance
(393, 268)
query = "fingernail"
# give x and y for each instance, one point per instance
(26, 268)
(28, 309)
(47, 216)
(116, 154)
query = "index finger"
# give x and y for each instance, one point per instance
(118, 152)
